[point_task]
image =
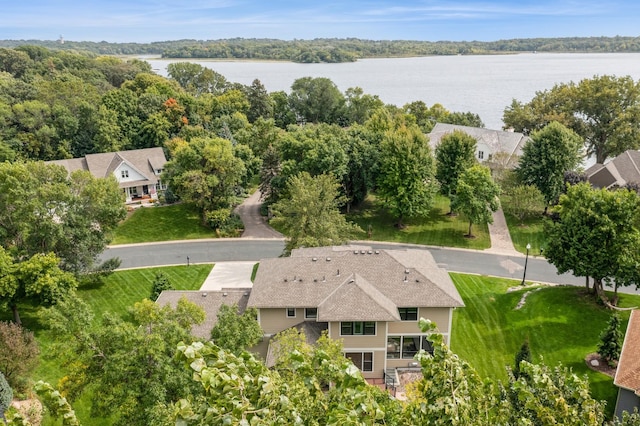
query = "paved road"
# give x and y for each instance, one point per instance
(211, 251)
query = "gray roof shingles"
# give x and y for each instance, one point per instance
(389, 278)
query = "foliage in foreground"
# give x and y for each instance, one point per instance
(314, 386)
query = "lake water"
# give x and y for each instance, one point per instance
(484, 85)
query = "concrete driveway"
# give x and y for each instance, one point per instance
(229, 275)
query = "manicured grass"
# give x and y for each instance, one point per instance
(438, 229)
(563, 324)
(162, 223)
(530, 231)
(124, 288)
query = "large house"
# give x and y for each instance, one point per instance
(137, 171)
(627, 377)
(489, 142)
(623, 169)
(371, 299)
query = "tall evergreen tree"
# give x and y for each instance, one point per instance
(610, 344)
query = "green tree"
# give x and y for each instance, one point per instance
(38, 279)
(550, 153)
(260, 104)
(310, 216)
(42, 209)
(129, 365)
(56, 404)
(18, 353)
(236, 331)
(407, 173)
(6, 396)
(206, 172)
(523, 354)
(476, 196)
(603, 110)
(454, 154)
(160, 283)
(317, 100)
(360, 106)
(595, 235)
(523, 201)
(610, 344)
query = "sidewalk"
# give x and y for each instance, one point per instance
(500, 238)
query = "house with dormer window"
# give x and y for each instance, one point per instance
(370, 299)
(137, 171)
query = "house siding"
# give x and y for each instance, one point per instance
(274, 320)
(373, 342)
(378, 362)
(627, 401)
(438, 315)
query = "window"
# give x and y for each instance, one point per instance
(124, 173)
(408, 314)
(311, 313)
(358, 328)
(480, 155)
(406, 347)
(362, 360)
(291, 312)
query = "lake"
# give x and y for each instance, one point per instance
(484, 85)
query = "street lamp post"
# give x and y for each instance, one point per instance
(526, 259)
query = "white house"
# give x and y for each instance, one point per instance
(138, 170)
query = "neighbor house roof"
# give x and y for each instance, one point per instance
(145, 161)
(353, 283)
(628, 371)
(498, 140)
(210, 302)
(312, 331)
(623, 169)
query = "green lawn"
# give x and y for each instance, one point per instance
(530, 231)
(124, 288)
(438, 229)
(563, 324)
(166, 223)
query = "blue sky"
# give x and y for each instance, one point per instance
(147, 20)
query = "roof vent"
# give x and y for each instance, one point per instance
(338, 274)
(246, 293)
(204, 294)
(224, 294)
(370, 252)
(324, 279)
(377, 251)
(352, 281)
(285, 280)
(328, 259)
(362, 252)
(314, 259)
(417, 280)
(405, 279)
(355, 252)
(315, 280)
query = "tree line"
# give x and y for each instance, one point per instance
(334, 49)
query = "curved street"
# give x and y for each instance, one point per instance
(241, 249)
(260, 241)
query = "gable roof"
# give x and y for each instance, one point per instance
(353, 283)
(628, 372)
(210, 302)
(497, 140)
(623, 169)
(144, 161)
